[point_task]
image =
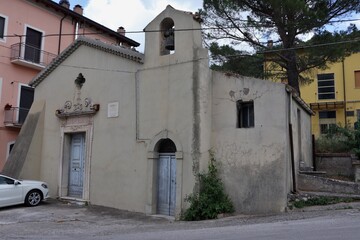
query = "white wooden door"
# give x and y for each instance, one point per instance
(76, 171)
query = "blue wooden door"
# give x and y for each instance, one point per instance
(76, 171)
(166, 185)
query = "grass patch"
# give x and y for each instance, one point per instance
(319, 201)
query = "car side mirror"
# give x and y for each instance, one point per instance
(16, 182)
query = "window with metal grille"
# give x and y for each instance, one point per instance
(326, 86)
(327, 128)
(245, 114)
(327, 121)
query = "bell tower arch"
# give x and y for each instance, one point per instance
(172, 36)
(167, 36)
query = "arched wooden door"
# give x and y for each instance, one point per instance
(166, 178)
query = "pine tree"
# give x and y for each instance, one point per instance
(284, 22)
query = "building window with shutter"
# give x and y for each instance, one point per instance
(326, 86)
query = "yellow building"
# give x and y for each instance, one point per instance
(334, 94)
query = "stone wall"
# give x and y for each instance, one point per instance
(335, 164)
(320, 184)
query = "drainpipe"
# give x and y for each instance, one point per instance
(344, 86)
(20, 45)
(137, 108)
(293, 170)
(60, 33)
(76, 30)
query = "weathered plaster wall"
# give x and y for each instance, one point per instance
(300, 122)
(115, 156)
(252, 160)
(301, 125)
(174, 94)
(185, 41)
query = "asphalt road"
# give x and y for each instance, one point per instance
(55, 220)
(345, 226)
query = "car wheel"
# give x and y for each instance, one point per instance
(33, 198)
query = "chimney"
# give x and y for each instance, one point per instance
(78, 9)
(121, 30)
(64, 3)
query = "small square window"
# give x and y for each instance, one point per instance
(327, 114)
(350, 113)
(245, 114)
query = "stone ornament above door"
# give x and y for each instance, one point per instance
(78, 106)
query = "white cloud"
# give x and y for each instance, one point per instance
(133, 15)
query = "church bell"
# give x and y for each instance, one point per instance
(169, 39)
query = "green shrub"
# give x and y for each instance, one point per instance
(339, 140)
(211, 199)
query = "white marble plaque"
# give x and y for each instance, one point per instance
(113, 110)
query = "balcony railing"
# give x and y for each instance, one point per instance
(30, 56)
(15, 116)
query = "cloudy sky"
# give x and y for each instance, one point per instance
(133, 15)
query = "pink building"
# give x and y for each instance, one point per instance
(32, 34)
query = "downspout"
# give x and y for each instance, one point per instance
(76, 30)
(293, 171)
(344, 86)
(60, 33)
(137, 108)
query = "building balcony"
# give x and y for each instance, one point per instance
(15, 116)
(29, 56)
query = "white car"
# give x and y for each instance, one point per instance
(13, 192)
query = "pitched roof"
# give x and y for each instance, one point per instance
(97, 44)
(68, 12)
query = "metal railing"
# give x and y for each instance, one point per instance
(22, 51)
(15, 116)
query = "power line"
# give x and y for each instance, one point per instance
(234, 55)
(176, 30)
(284, 49)
(312, 46)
